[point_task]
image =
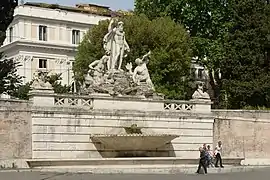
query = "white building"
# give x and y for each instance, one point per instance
(45, 37)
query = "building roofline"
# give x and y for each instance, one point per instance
(107, 12)
(18, 16)
(92, 4)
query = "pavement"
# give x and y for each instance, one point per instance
(262, 173)
(136, 169)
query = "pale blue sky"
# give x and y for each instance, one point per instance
(113, 4)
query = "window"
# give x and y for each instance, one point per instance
(75, 36)
(42, 33)
(42, 64)
(10, 34)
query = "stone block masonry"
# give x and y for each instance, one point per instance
(65, 132)
(15, 129)
(244, 133)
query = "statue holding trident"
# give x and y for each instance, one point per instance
(115, 44)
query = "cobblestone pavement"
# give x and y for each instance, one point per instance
(263, 174)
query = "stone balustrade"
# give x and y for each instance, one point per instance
(105, 101)
(73, 101)
(178, 106)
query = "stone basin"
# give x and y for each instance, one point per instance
(134, 142)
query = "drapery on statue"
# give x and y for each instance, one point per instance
(115, 44)
(141, 73)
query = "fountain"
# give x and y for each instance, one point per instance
(118, 118)
(107, 76)
(133, 143)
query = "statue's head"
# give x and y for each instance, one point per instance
(120, 26)
(200, 86)
(138, 61)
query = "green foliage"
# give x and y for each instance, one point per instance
(9, 80)
(246, 64)
(256, 108)
(234, 36)
(23, 91)
(6, 17)
(207, 22)
(57, 86)
(133, 129)
(168, 41)
(52, 6)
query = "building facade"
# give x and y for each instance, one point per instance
(46, 37)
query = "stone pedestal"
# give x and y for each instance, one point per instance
(42, 97)
(202, 105)
(136, 103)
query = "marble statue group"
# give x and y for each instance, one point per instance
(106, 74)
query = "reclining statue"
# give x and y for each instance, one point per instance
(141, 73)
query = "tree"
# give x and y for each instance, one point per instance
(9, 80)
(207, 22)
(23, 91)
(6, 16)
(169, 42)
(246, 64)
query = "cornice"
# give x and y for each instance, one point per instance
(39, 44)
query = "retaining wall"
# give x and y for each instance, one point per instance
(65, 132)
(15, 129)
(243, 133)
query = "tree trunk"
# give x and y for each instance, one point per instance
(215, 89)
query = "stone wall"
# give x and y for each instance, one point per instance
(243, 133)
(65, 132)
(15, 129)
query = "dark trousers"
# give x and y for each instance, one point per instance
(218, 158)
(202, 163)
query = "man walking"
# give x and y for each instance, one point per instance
(218, 151)
(203, 160)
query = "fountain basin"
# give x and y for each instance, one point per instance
(133, 142)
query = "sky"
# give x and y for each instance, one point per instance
(113, 4)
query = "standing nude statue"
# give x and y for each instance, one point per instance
(115, 43)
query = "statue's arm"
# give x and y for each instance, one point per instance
(145, 57)
(91, 66)
(110, 27)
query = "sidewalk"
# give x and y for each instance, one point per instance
(183, 169)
